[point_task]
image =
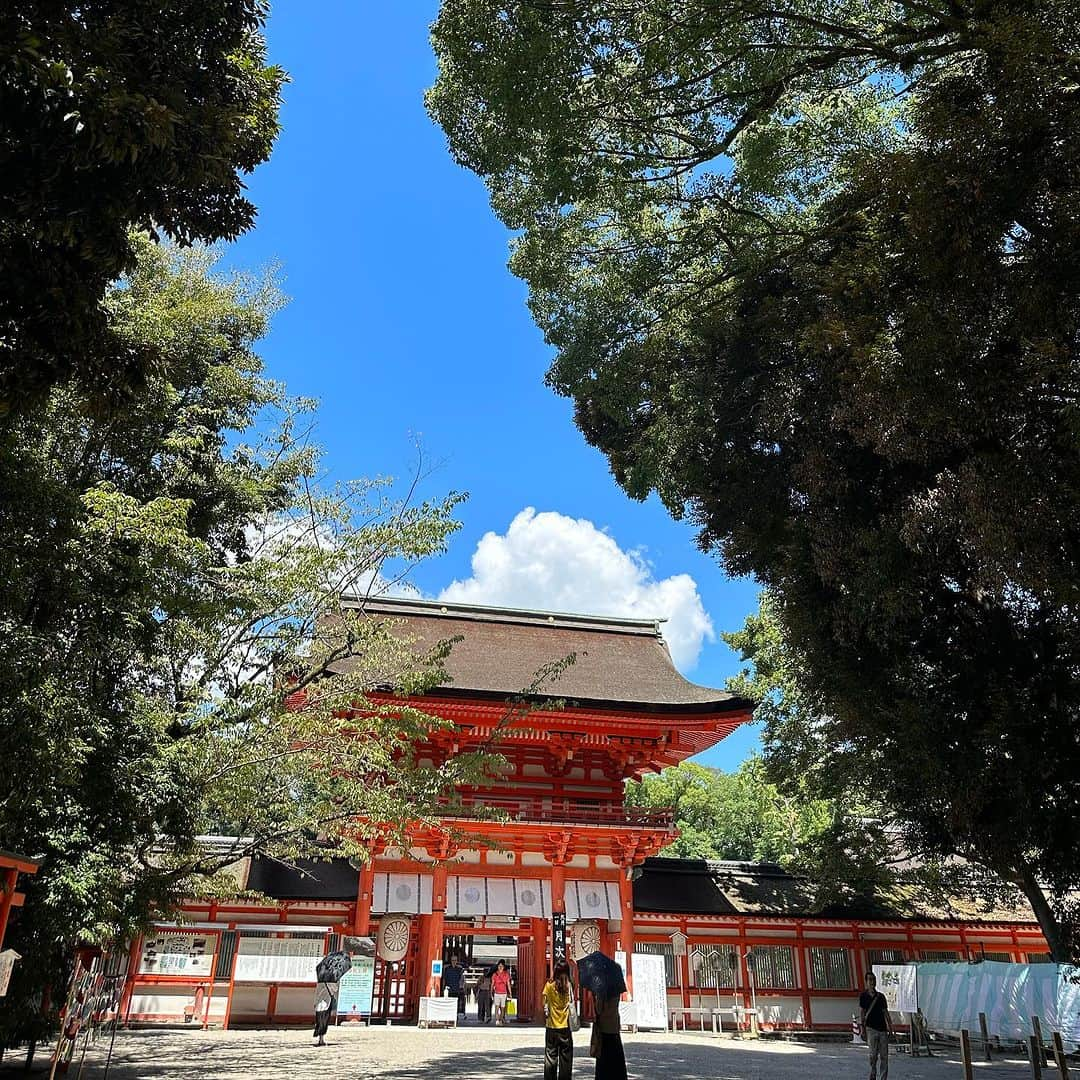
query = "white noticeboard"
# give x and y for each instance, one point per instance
(898, 983)
(7, 963)
(187, 954)
(278, 959)
(650, 991)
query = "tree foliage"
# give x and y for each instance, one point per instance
(174, 576)
(116, 115)
(858, 849)
(812, 272)
(738, 815)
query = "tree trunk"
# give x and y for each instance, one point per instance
(1044, 914)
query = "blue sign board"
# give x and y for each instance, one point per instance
(356, 989)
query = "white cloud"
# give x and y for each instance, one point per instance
(557, 563)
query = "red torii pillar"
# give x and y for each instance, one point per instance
(12, 866)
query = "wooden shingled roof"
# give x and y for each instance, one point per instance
(617, 661)
(719, 887)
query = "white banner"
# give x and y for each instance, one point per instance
(592, 900)
(898, 985)
(278, 959)
(467, 896)
(476, 896)
(408, 893)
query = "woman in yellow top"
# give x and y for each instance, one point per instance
(558, 1039)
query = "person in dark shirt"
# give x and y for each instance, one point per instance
(454, 981)
(876, 1026)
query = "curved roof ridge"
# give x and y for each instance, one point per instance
(501, 650)
(492, 613)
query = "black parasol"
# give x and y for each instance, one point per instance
(601, 975)
(332, 966)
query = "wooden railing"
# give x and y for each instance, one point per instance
(556, 810)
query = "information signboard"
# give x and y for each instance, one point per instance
(650, 991)
(897, 983)
(278, 959)
(187, 954)
(356, 989)
(558, 936)
(7, 963)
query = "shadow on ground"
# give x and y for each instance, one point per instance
(407, 1054)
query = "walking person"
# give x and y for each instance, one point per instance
(876, 1026)
(606, 1042)
(325, 1008)
(500, 990)
(483, 997)
(558, 1038)
(454, 982)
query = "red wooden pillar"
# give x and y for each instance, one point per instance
(540, 964)
(11, 879)
(626, 934)
(134, 956)
(365, 885)
(558, 888)
(744, 967)
(860, 953)
(801, 951)
(431, 929)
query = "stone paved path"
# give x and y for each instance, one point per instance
(473, 1054)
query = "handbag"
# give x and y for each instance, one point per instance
(596, 1040)
(572, 1014)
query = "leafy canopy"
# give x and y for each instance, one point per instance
(116, 115)
(812, 274)
(174, 577)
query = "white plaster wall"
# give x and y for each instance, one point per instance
(249, 1000)
(832, 1010)
(295, 1001)
(780, 1010)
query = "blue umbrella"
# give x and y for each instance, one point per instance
(601, 975)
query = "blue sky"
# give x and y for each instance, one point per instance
(405, 323)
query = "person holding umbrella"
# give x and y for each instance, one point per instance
(601, 975)
(325, 1006)
(328, 971)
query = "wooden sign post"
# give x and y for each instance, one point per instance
(1035, 1058)
(1036, 1027)
(965, 1054)
(1059, 1057)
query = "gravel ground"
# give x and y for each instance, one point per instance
(406, 1053)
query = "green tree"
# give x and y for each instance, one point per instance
(812, 273)
(738, 815)
(174, 576)
(854, 847)
(116, 115)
